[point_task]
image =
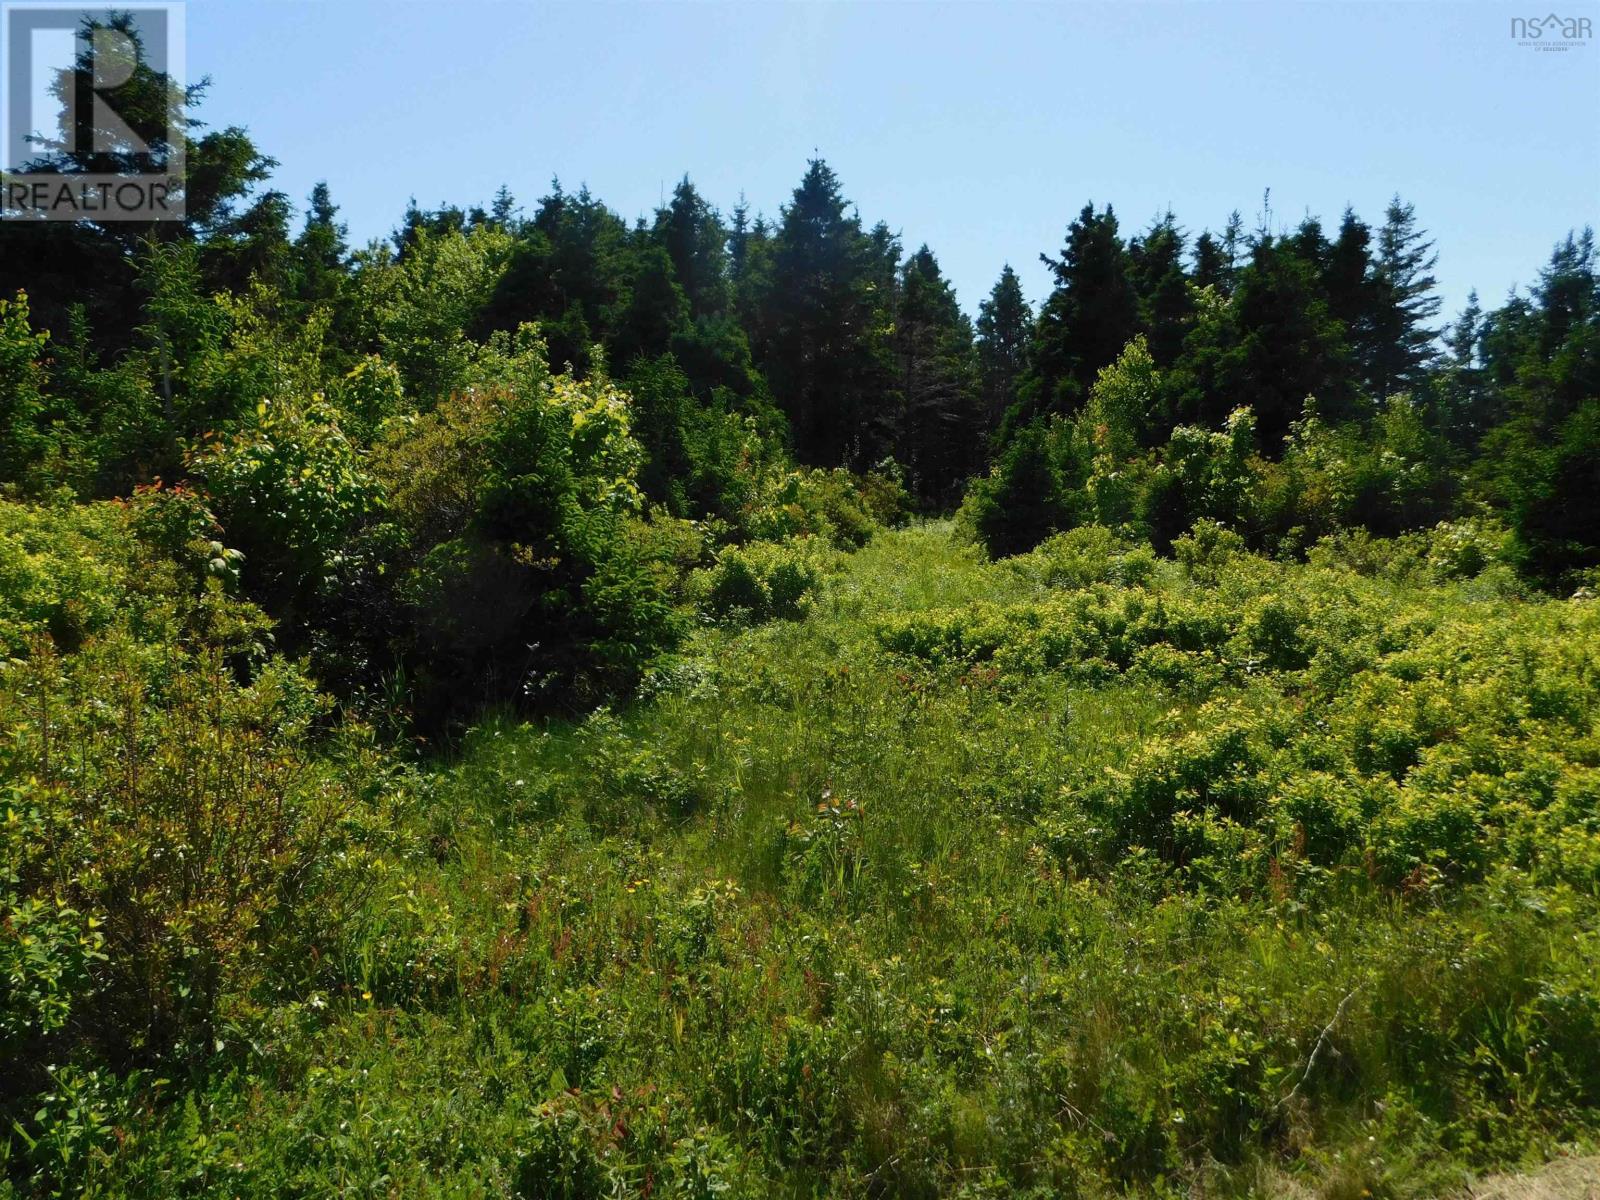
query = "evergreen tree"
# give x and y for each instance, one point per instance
(1463, 406)
(739, 240)
(1217, 260)
(250, 243)
(1021, 502)
(1566, 292)
(1005, 331)
(1208, 264)
(1462, 340)
(68, 265)
(1165, 303)
(503, 212)
(1290, 345)
(939, 431)
(695, 240)
(1541, 368)
(1402, 342)
(321, 250)
(1311, 245)
(656, 310)
(820, 309)
(1346, 280)
(1089, 316)
(570, 269)
(1269, 347)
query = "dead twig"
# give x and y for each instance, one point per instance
(1316, 1051)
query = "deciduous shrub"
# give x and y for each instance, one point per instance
(290, 489)
(522, 574)
(171, 827)
(763, 581)
(1082, 556)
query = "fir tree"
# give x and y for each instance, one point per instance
(1090, 315)
(1005, 330)
(1403, 303)
(1165, 303)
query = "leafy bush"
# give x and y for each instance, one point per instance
(1082, 556)
(171, 833)
(1368, 723)
(62, 572)
(523, 574)
(763, 581)
(290, 489)
(24, 433)
(831, 505)
(1201, 476)
(181, 813)
(70, 571)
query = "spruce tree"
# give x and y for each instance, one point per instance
(1005, 331)
(1347, 283)
(939, 435)
(1403, 303)
(657, 309)
(1208, 263)
(695, 240)
(503, 212)
(321, 250)
(1090, 315)
(1269, 347)
(1166, 306)
(821, 302)
(1217, 260)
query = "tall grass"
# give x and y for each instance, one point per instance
(822, 915)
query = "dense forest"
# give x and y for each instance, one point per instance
(550, 705)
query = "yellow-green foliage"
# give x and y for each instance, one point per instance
(172, 842)
(70, 570)
(839, 507)
(1345, 722)
(522, 566)
(763, 581)
(1082, 874)
(289, 486)
(63, 571)
(1079, 557)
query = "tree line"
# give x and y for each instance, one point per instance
(1290, 384)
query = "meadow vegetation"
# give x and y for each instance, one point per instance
(1073, 872)
(547, 707)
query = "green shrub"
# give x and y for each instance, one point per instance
(1028, 494)
(1201, 475)
(763, 581)
(70, 571)
(181, 814)
(290, 490)
(1083, 556)
(524, 573)
(1206, 549)
(63, 569)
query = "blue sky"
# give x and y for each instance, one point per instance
(978, 128)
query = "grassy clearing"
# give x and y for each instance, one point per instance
(1240, 879)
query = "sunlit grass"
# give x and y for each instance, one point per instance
(816, 919)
